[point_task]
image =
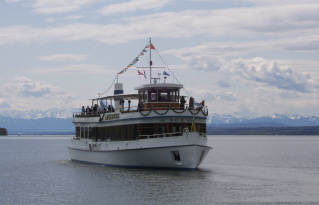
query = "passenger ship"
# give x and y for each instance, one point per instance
(159, 133)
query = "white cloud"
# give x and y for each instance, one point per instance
(208, 95)
(73, 17)
(212, 57)
(282, 21)
(265, 100)
(230, 49)
(63, 57)
(281, 2)
(271, 74)
(75, 68)
(24, 94)
(25, 87)
(59, 6)
(223, 84)
(133, 5)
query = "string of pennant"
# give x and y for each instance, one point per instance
(150, 46)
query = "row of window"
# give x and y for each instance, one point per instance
(159, 95)
(132, 132)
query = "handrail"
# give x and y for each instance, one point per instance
(157, 110)
(160, 135)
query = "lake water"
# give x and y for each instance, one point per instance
(238, 170)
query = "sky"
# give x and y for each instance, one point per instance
(250, 57)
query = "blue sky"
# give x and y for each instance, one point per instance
(252, 57)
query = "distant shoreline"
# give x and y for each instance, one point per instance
(303, 130)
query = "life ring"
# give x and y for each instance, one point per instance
(185, 130)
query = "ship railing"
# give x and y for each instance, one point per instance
(86, 114)
(91, 114)
(175, 134)
(162, 111)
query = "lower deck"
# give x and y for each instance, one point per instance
(136, 131)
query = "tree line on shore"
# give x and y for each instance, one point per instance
(303, 130)
(3, 131)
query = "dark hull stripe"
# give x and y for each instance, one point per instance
(139, 148)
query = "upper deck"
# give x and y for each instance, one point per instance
(155, 100)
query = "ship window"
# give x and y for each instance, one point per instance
(140, 96)
(93, 133)
(118, 133)
(108, 134)
(162, 128)
(82, 132)
(78, 131)
(145, 96)
(86, 132)
(147, 129)
(123, 129)
(202, 127)
(112, 133)
(152, 94)
(134, 132)
(163, 97)
(101, 133)
(89, 132)
(177, 127)
(173, 96)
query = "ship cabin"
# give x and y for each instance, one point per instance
(159, 96)
(151, 100)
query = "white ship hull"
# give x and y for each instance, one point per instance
(183, 152)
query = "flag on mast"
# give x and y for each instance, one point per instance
(164, 73)
(151, 46)
(139, 73)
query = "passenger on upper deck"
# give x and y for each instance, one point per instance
(122, 103)
(201, 105)
(87, 110)
(140, 106)
(191, 103)
(83, 110)
(129, 105)
(182, 104)
(95, 108)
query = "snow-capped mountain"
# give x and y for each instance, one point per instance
(269, 120)
(37, 114)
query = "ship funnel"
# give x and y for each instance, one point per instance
(118, 89)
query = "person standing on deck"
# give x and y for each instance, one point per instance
(182, 103)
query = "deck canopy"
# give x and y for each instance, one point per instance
(133, 96)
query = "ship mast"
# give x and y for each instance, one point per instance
(151, 62)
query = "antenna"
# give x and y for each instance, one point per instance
(150, 61)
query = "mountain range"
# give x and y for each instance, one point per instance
(275, 120)
(59, 121)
